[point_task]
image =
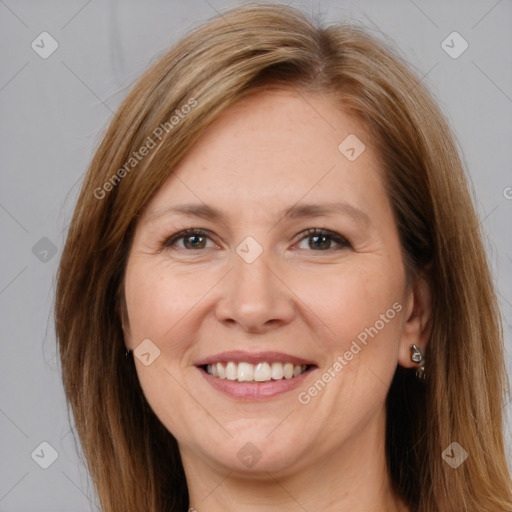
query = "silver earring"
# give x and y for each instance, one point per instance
(418, 357)
(127, 354)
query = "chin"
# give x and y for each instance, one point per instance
(257, 454)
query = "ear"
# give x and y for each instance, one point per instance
(417, 321)
(123, 315)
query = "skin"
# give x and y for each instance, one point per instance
(264, 154)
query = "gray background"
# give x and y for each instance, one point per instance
(54, 111)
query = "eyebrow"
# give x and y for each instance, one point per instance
(295, 211)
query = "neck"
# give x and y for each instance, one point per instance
(352, 478)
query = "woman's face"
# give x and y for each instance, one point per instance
(254, 291)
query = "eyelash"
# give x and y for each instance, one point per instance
(304, 235)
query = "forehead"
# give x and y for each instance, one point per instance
(275, 146)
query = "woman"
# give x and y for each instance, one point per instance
(278, 230)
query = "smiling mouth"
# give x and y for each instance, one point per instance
(260, 372)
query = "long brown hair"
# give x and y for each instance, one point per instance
(133, 460)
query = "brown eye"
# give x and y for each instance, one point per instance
(320, 240)
(192, 239)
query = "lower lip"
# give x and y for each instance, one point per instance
(255, 390)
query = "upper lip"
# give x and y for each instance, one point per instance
(240, 356)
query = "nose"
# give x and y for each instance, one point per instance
(254, 296)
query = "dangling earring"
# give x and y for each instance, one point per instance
(418, 357)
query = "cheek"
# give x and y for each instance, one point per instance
(348, 301)
(157, 299)
(357, 316)
(158, 302)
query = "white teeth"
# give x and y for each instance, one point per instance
(277, 371)
(261, 372)
(245, 372)
(288, 370)
(231, 372)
